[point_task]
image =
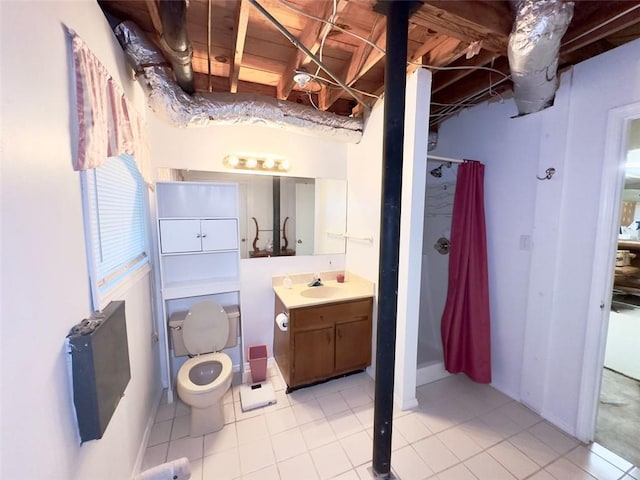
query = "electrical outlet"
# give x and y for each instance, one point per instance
(525, 243)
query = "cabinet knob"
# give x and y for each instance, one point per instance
(204, 235)
(198, 235)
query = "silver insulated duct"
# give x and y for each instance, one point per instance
(180, 109)
(534, 44)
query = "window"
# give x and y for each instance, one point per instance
(115, 225)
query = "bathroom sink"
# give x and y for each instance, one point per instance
(320, 292)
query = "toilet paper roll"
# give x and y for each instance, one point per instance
(179, 469)
(282, 320)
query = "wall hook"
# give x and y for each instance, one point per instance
(550, 172)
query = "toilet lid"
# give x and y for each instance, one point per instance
(205, 329)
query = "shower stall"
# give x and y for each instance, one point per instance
(441, 184)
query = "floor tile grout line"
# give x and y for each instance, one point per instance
(457, 423)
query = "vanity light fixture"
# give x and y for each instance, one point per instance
(256, 163)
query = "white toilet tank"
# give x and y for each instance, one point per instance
(175, 326)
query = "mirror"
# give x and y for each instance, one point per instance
(308, 216)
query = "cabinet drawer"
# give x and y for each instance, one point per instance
(330, 314)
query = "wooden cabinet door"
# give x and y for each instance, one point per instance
(312, 355)
(179, 236)
(219, 234)
(353, 345)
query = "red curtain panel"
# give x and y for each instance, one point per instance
(465, 328)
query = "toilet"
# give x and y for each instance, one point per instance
(203, 380)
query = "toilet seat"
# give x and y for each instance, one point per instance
(185, 381)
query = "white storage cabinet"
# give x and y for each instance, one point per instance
(197, 226)
(198, 238)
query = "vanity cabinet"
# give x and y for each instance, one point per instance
(323, 341)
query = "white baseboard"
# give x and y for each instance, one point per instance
(147, 432)
(430, 373)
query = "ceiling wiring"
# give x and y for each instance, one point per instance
(469, 101)
(311, 101)
(373, 45)
(600, 25)
(447, 111)
(333, 84)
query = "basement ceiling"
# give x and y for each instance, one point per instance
(237, 49)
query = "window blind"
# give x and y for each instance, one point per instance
(115, 217)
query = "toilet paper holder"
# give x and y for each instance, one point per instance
(282, 321)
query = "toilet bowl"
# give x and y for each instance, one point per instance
(204, 379)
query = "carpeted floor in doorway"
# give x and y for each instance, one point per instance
(618, 425)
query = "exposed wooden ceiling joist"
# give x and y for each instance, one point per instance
(312, 39)
(361, 62)
(438, 49)
(249, 55)
(489, 22)
(619, 15)
(239, 37)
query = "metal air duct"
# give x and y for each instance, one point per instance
(178, 108)
(175, 42)
(534, 44)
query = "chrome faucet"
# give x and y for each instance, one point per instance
(316, 282)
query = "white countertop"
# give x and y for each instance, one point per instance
(352, 288)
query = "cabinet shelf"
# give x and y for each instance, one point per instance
(184, 289)
(198, 218)
(200, 252)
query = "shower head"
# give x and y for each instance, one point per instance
(436, 172)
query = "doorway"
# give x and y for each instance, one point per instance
(606, 245)
(618, 416)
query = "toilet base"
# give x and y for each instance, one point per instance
(207, 420)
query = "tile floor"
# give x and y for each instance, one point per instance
(460, 431)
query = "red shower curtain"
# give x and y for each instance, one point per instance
(466, 335)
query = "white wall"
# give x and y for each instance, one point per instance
(363, 220)
(364, 187)
(541, 298)
(45, 289)
(205, 149)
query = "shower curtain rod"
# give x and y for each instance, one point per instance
(436, 158)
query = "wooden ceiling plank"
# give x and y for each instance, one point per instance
(239, 37)
(310, 38)
(468, 22)
(437, 51)
(589, 32)
(154, 13)
(361, 62)
(494, 17)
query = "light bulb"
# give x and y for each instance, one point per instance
(233, 160)
(251, 163)
(301, 78)
(268, 163)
